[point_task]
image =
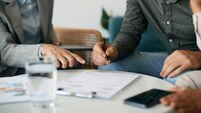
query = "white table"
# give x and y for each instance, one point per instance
(67, 104)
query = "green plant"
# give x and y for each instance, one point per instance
(105, 19)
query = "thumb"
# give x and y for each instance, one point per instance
(112, 53)
(109, 52)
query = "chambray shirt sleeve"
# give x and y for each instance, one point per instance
(197, 26)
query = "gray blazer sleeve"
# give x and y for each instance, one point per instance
(13, 54)
(134, 23)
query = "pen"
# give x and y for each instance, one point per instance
(105, 48)
(61, 91)
(85, 95)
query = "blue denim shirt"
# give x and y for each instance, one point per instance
(30, 21)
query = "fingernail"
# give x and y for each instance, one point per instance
(83, 61)
(164, 75)
(170, 76)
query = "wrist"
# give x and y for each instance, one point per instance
(198, 55)
(196, 10)
(195, 6)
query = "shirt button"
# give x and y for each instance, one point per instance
(29, 6)
(170, 40)
(168, 22)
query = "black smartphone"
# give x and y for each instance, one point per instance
(147, 99)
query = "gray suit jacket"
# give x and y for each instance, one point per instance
(13, 53)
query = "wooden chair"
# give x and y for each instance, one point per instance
(83, 37)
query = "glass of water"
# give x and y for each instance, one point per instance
(42, 77)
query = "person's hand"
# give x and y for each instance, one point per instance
(195, 6)
(99, 56)
(180, 61)
(64, 58)
(184, 100)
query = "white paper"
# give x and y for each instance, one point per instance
(105, 84)
(14, 89)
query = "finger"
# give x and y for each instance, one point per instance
(172, 67)
(71, 60)
(178, 71)
(78, 58)
(167, 100)
(98, 60)
(97, 56)
(98, 49)
(165, 66)
(109, 51)
(167, 62)
(62, 60)
(171, 63)
(100, 57)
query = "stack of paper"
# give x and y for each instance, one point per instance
(14, 89)
(105, 84)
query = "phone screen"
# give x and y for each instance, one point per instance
(148, 98)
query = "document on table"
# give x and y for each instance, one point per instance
(105, 84)
(14, 89)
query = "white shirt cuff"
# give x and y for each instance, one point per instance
(197, 27)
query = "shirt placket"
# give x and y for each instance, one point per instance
(168, 21)
(31, 21)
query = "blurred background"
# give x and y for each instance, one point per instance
(86, 13)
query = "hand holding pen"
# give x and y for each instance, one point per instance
(103, 54)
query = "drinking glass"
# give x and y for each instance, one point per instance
(42, 78)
